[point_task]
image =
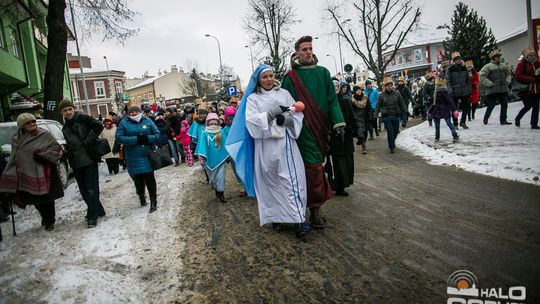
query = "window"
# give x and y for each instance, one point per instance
(75, 90)
(2, 45)
(100, 88)
(14, 41)
(118, 87)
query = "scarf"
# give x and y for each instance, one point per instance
(213, 129)
(360, 101)
(22, 172)
(313, 116)
(297, 62)
(137, 118)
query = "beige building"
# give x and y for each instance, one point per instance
(162, 87)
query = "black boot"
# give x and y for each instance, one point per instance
(142, 199)
(153, 204)
(221, 196)
(302, 230)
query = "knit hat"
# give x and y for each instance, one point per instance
(526, 51)
(64, 104)
(212, 116)
(356, 88)
(229, 111)
(367, 82)
(24, 118)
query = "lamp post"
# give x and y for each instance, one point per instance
(339, 44)
(220, 63)
(335, 64)
(80, 61)
(106, 62)
(251, 53)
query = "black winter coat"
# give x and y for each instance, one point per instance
(458, 81)
(339, 145)
(80, 131)
(390, 103)
(405, 94)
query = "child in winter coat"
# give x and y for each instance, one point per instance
(185, 139)
(443, 108)
(212, 154)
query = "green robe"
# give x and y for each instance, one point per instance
(319, 84)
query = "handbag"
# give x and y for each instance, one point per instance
(159, 157)
(519, 87)
(98, 149)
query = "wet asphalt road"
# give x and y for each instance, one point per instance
(405, 227)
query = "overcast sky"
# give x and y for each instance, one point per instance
(172, 31)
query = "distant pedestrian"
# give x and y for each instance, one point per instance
(528, 71)
(138, 134)
(185, 140)
(111, 158)
(392, 107)
(31, 175)
(443, 108)
(429, 96)
(81, 131)
(496, 77)
(458, 85)
(475, 93)
(373, 95)
(173, 132)
(407, 98)
(363, 113)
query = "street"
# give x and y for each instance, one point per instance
(405, 227)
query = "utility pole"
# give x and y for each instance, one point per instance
(80, 60)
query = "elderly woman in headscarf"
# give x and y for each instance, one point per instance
(31, 173)
(275, 160)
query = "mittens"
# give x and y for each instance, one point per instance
(143, 140)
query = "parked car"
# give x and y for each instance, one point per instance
(7, 129)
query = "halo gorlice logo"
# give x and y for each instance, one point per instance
(463, 288)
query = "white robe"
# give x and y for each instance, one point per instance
(280, 178)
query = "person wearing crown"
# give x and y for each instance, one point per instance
(458, 85)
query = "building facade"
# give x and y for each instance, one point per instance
(104, 88)
(23, 57)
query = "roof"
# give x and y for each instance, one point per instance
(516, 31)
(145, 82)
(74, 71)
(422, 37)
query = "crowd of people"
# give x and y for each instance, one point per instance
(290, 144)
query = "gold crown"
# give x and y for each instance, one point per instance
(494, 53)
(469, 63)
(440, 82)
(388, 79)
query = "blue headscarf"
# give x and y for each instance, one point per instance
(239, 143)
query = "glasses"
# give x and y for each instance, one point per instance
(30, 122)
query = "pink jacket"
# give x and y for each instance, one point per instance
(184, 137)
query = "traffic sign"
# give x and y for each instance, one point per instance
(231, 91)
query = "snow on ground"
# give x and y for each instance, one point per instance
(112, 263)
(501, 151)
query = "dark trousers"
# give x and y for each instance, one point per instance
(492, 101)
(113, 165)
(464, 106)
(448, 123)
(147, 179)
(392, 130)
(88, 181)
(47, 212)
(530, 102)
(472, 110)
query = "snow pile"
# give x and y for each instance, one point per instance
(501, 151)
(111, 263)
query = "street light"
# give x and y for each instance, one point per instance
(106, 62)
(339, 44)
(251, 52)
(220, 63)
(335, 64)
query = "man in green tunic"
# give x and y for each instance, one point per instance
(313, 85)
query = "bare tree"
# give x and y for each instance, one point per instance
(384, 26)
(195, 83)
(104, 17)
(268, 24)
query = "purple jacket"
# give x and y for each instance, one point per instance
(443, 105)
